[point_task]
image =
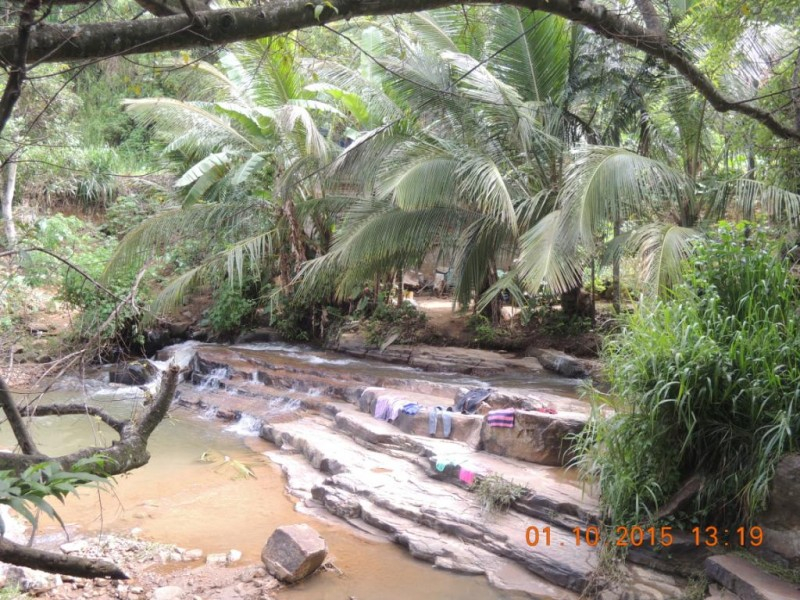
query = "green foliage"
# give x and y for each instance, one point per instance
(231, 312)
(126, 212)
(12, 591)
(481, 327)
(704, 383)
(497, 494)
(81, 243)
(404, 323)
(292, 317)
(28, 492)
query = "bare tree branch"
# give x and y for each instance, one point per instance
(60, 410)
(67, 262)
(99, 40)
(125, 454)
(21, 432)
(23, 556)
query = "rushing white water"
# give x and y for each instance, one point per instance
(246, 425)
(213, 380)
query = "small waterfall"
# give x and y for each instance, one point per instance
(213, 380)
(210, 413)
(247, 425)
(254, 377)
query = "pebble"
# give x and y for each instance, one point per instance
(170, 592)
(216, 559)
(194, 554)
(73, 547)
(233, 556)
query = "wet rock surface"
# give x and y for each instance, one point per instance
(781, 521)
(140, 372)
(434, 358)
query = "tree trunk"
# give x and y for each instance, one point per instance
(51, 562)
(615, 271)
(9, 184)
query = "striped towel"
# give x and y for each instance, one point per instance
(501, 418)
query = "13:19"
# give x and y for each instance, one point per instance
(712, 536)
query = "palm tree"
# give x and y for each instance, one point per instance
(468, 163)
(250, 148)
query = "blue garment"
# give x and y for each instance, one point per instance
(469, 402)
(447, 420)
(411, 408)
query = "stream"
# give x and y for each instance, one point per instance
(178, 498)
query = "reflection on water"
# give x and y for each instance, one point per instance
(179, 499)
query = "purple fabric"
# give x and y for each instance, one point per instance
(382, 408)
(501, 418)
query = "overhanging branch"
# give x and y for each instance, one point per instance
(126, 454)
(100, 40)
(61, 410)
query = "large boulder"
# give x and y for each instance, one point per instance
(138, 372)
(536, 437)
(560, 362)
(781, 521)
(294, 552)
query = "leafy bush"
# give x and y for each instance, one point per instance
(231, 312)
(84, 246)
(26, 493)
(292, 317)
(126, 212)
(497, 494)
(706, 384)
(481, 327)
(404, 321)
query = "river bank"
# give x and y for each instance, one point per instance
(315, 411)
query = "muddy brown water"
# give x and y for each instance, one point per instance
(179, 499)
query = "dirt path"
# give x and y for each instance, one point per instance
(443, 320)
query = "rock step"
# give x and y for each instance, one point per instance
(359, 475)
(439, 359)
(343, 381)
(554, 494)
(536, 437)
(747, 581)
(444, 551)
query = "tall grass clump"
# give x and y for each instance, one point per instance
(705, 385)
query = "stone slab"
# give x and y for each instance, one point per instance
(747, 581)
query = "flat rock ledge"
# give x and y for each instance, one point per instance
(434, 358)
(747, 581)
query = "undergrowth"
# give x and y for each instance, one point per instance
(704, 383)
(497, 494)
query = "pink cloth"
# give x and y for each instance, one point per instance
(466, 476)
(501, 418)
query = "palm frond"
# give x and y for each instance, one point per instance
(750, 197)
(534, 52)
(547, 258)
(605, 184)
(176, 118)
(662, 248)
